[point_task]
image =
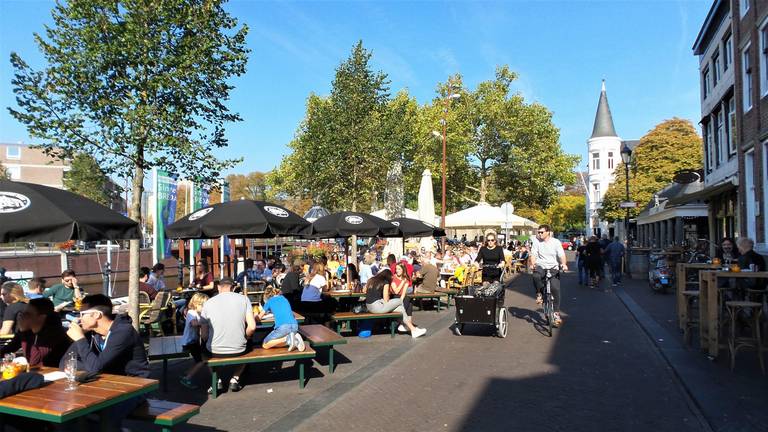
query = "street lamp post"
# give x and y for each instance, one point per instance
(626, 157)
(452, 88)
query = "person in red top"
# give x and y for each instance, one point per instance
(41, 337)
(401, 285)
(203, 278)
(144, 286)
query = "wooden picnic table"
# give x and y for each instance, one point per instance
(709, 306)
(166, 348)
(346, 294)
(684, 285)
(52, 403)
(270, 322)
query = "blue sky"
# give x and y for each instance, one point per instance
(561, 50)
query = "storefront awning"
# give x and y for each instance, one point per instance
(707, 192)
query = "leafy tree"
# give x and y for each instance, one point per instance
(86, 178)
(136, 85)
(567, 212)
(252, 186)
(671, 146)
(4, 173)
(339, 153)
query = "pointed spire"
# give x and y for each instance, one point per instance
(603, 119)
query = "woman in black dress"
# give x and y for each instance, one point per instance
(594, 259)
(491, 255)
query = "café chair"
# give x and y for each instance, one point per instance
(753, 310)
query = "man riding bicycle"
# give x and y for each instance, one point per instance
(546, 253)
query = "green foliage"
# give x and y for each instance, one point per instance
(671, 146)
(135, 84)
(252, 186)
(86, 178)
(4, 173)
(566, 212)
(340, 153)
(498, 147)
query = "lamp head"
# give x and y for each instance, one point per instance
(626, 155)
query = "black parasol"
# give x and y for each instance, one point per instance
(36, 213)
(239, 219)
(416, 228)
(346, 224)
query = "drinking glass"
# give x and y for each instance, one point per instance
(70, 369)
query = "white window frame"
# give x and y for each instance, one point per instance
(717, 130)
(747, 78)
(763, 36)
(744, 7)
(732, 135)
(705, 130)
(13, 155)
(596, 191)
(596, 161)
(14, 172)
(715, 68)
(727, 52)
(750, 187)
(705, 83)
(765, 201)
(610, 160)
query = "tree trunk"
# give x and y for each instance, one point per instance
(135, 248)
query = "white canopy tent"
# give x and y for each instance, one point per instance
(484, 217)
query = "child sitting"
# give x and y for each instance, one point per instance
(191, 338)
(286, 328)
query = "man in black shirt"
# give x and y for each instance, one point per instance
(752, 261)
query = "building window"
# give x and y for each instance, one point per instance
(14, 172)
(744, 7)
(715, 69)
(731, 127)
(705, 83)
(707, 146)
(13, 152)
(764, 59)
(596, 194)
(718, 137)
(595, 161)
(727, 53)
(747, 79)
(610, 160)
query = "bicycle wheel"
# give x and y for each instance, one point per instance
(549, 316)
(501, 326)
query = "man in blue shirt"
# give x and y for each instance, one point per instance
(614, 253)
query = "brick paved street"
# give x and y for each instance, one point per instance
(599, 372)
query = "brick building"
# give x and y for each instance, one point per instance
(732, 47)
(30, 165)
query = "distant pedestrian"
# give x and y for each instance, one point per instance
(614, 253)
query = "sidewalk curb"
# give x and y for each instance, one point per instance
(672, 353)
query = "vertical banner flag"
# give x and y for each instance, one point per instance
(198, 201)
(165, 213)
(225, 240)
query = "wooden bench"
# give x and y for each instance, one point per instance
(436, 296)
(260, 355)
(166, 348)
(450, 294)
(348, 317)
(321, 336)
(165, 414)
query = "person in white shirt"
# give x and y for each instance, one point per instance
(547, 253)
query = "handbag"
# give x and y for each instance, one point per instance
(359, 308)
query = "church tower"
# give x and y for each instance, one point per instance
(603, 157)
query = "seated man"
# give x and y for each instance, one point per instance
(41, 337)
(105, 342)
(430, 275)
(108, 344)
(64, 293)
(157, 277)
(752, 261)
(226, 327)
(248, 272)
(144, 286)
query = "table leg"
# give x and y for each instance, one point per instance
(712, 317)
(214, 383)
(301, 374)
(330, 359)
(703, 310)
(165, 375)
(438, 302)
(392, 327)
